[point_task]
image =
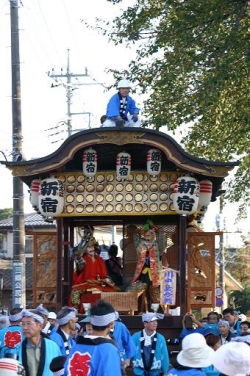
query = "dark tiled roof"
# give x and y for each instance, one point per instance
(6, 271)
(33, 220)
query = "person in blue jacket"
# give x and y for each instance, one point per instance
(36, 352)
(195, 355)
(151, 358)
(121, 108)
(66, 320)
(124, 341)
(213, 341)
(12, 336)
(96, 355)
(189, 326)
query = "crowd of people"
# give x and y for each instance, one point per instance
(36, 342)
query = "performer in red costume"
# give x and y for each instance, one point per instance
(93, 274)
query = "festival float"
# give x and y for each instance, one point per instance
(127, 177)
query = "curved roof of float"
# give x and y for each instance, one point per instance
(108, 142)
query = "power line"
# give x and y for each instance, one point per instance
(70, 87)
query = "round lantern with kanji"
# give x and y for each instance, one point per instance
(89, 162)
(153, 162)
(186, 195)
(123, 165)
(51, 199)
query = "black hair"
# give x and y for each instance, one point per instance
(64, 311)
(245, 323)
(228, 310)
(15, 310)
(212, 340)
(214, 313)
(189, 324)
(113, 250)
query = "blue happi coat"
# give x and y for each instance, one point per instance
(160, 362)
(113, 108)
(93, 357)
(10, 340)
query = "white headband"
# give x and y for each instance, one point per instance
(42, 310)
(17, 317)
(103, 320)
(36, 317)
(64, 320)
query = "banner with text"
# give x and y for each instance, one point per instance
(168, 286)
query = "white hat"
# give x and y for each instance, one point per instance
(11, 367)
(123, 83)
(242, 317)
(195, 352)
(52, 315)
(233, 359)
(150, 316)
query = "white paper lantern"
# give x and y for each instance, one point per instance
(153, 162)
(206, 187)
(34, 192)
(51, 200)
(89, 162)
(123, 165)
(186, 195)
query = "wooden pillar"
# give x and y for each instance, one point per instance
(182, 262)
(65, 260)
(59, 276)
(71, 261)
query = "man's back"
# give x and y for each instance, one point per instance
(10, 340)
(96, 356)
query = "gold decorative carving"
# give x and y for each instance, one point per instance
(105, 193)
(201, 274)
(121, 138)
(22, 170)
(45, 257)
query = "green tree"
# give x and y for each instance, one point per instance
(240, 300)
(193, 62)
(238, 265)
(6, 213)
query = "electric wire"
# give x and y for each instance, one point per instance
(38, 39)
(47, 27)
(78, 49)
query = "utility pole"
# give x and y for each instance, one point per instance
(221, 250)
(18, 270)
(69, 87)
